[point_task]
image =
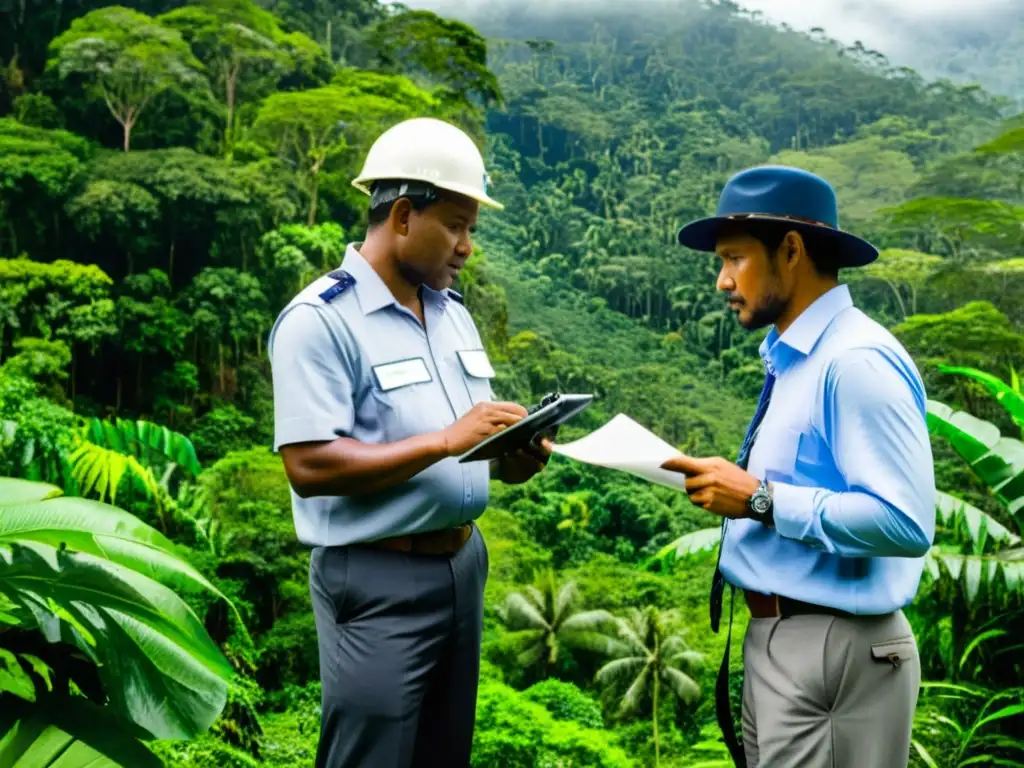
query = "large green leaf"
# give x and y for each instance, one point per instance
(978, 525)
(974, 573)
(997, 461)
(68, 732)
(32, 511)
(158, 665)
(101, 471)
(152, 444)
(703, 540)
(1005, 394)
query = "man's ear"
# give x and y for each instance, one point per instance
(401, 211)
(793, 249)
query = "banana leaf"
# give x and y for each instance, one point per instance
(997, 461)
(703, 540)
(31, 511)
(978, 525)
(90, 575)
(975, 573)
(158, 666)
(1005, 394)
(68, 732)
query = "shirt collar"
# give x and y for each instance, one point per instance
(373, 293)
(800, 338)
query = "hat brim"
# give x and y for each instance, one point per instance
(363, 185)
(850, 250)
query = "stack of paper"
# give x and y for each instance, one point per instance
(625, 445)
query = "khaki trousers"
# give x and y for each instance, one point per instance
(827, 692)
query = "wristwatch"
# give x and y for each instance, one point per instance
(760, 505)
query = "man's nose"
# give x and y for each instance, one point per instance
(465, 246)
(725, 282)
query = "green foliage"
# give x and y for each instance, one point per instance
(68, 732)
(137, 289)
(513, 731)
(90, 575)
(125, 59)
(566, 702)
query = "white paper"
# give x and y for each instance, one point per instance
(625, 445)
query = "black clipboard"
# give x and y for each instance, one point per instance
(552, 411)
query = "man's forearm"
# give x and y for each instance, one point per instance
(346, 467)
(850, 523)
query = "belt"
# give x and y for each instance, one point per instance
(447, 541)
(771, 606)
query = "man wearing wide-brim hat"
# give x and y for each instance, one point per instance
(830, 508)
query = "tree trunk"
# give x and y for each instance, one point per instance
(657, 749)
(127, 135)
(313, 198)
(230, 85)
(220, 354)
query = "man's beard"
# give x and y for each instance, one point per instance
(767, 312)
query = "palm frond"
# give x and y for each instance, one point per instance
(566, 597)
(522, 614)
(101, 471)
(615, 671)
(682, 686)
(532, 654)
(605, 645)
(587, 621)
(635, 693)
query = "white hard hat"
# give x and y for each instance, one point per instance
(430, 150)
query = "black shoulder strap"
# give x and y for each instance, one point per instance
(344, 282)
(457, 297)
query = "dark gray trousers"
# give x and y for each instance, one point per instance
(399, 638)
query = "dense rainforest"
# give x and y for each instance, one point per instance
(172, 172)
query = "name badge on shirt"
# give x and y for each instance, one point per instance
(401, 373)
(475, 363)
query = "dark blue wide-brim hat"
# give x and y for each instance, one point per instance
(781, 193)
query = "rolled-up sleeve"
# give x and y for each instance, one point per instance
(313, 380)
(874, 422)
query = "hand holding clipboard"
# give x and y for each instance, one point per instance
(552, 411)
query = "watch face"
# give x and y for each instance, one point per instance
(760, 503)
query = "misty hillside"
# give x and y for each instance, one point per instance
(986, 47)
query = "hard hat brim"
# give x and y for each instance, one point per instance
(362, 184)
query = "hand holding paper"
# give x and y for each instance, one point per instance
(625, 445)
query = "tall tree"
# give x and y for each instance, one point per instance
(648, 654)
(547, 616)
(243, 47)
(126, 59)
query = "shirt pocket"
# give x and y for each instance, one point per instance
(477, 372)
(800, 459)
(406, 406)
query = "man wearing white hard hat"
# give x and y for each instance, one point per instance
(380, 383)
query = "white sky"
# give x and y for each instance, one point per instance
(870, 20)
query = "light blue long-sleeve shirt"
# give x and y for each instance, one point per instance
(845, 445)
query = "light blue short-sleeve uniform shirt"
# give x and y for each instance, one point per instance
(349, 361)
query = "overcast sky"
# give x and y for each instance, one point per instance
(874, 22)
(870, 21)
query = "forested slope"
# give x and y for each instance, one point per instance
(171, 173)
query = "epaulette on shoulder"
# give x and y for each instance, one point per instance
(456, 296)
(344, 281)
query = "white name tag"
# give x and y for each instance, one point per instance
(402, 373)
(476, 364)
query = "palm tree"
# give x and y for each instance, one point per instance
(547, 617)
(648, 652)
